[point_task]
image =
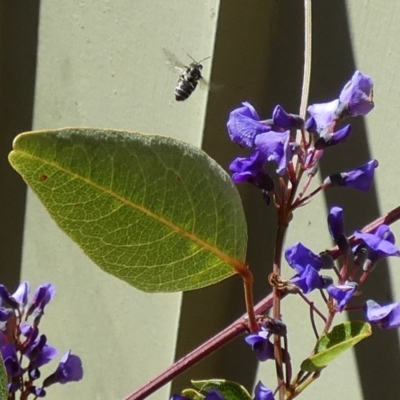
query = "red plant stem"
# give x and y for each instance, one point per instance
(249, 300)
(389, 218)
(222, 338)
(306, 185)
(312, 306)
(354, 308)
(329, 322)
(280, 236)
(288, 365)
(363, 277)
(300, 202)
(314, 326)
(343, 272)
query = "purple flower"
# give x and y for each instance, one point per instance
(357, 95)
(299, 256)
(5, 314)
(21, 294)
(336, 223)
(275, 145)
(12, 387)
(380, 243)
(251, 169)
(333, 138)
(18, 299)
(310, 280)
(261, 345)
(244, 125)
(28, 330)
(42, 296)
(40, 353)
(342, 293)
(284, 121)
(31, 333)
(10, 359)
(355, 99)
(323, 114)
(336, 228)
(359, 178)
(311, 125)
(306, 264)
(37, 391)
(387, 317)
(69, 370)
(247, 169)
(262, 393)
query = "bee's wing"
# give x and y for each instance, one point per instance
(204, 83)
(173, 61)
(212, 86)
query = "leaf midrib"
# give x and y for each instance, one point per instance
(234, 263)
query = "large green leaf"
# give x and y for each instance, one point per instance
(329, 346)
(153, 211)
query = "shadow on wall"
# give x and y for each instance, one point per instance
(378, 358)
(249, 53)
(258, 58)
(18, 46)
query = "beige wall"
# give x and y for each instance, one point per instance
(99, 63)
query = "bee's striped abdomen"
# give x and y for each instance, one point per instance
(184, 88)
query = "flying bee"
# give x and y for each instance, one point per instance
(190, 75)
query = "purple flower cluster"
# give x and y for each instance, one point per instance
(24, 349)
(294, 146)
(274, 140)
(375, 246)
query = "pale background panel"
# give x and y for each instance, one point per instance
(100, 64)
(348, 36)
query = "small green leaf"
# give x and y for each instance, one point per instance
(329, 346)
(153, 211)
(3, 380)
(230, 390)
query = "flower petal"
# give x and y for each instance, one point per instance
(360, 178)
(246, 169)
(244, 125)
(357, 95)
(275, 145)
(309, 280)
(323, 113)
(299, 256)
(262, 393)
(342, 293)
(380, 243)
(336, 222)
(387, 317)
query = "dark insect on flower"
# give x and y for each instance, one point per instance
(190, 75)
(273, 325)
